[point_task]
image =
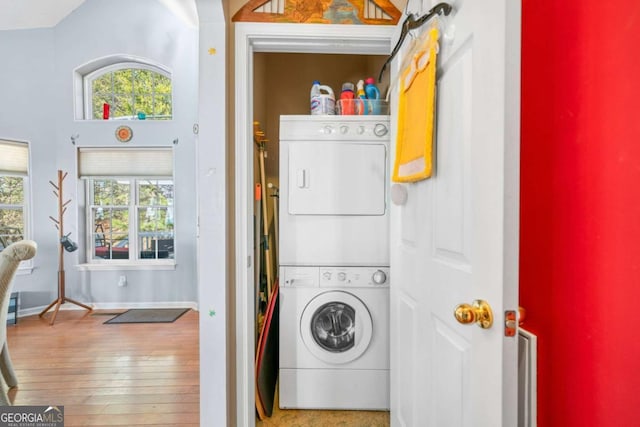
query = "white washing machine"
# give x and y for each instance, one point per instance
(334, 259)
(334, 338)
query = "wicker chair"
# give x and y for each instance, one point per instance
(10, 259)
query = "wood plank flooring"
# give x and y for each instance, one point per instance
(128, 374)
(108, 375)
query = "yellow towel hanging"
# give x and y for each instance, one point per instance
(414, 144)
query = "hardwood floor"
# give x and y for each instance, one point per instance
(108, 375)
(128, 374)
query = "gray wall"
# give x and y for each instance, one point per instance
(27, 113)
(37, 104)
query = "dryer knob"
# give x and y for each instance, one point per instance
(380, 130)
(342, 276)
(344, 129)
(326, 275)
(379, 277)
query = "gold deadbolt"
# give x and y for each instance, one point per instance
(477, 312)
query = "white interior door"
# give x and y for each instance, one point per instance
(455, 237)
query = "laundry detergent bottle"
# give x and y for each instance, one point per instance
(347, 104)
(323, 100)
(373, 96)
(360, 96)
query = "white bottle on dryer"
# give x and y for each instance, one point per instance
(323, 100)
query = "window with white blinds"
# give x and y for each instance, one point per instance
(14, 193)
(14, 158)
(149, 162)
(130, 204)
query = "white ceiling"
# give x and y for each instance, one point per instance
(25, 14)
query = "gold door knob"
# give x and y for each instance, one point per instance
(478, 312)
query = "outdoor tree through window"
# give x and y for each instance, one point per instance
(14, 196)
(131, 91)
(12, 210)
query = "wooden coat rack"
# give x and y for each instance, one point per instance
(59, 223)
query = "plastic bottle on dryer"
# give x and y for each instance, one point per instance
(347, 103)
(323, 101)
(373, 96)
(361, 96)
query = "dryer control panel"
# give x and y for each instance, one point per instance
(333, 128)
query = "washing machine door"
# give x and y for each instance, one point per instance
(336, 327)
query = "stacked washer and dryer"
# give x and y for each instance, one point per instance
(334, 262)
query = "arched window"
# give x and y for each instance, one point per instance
(128, 91)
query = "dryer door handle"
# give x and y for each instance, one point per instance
(301, 178)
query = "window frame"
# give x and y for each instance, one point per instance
(88, 78)
(17, 206)
(133, 225)
(22, 170)
(25, 266)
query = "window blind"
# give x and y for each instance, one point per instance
(114, 162)
(14, 158)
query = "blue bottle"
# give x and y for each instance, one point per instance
(373, 96)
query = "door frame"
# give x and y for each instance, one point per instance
(252, 38)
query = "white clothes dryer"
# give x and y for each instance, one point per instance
(334, 175)
(334, 338)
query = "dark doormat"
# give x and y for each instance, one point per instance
(149, 315)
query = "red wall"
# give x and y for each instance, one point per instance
(580, 207)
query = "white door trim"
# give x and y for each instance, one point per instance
(212, 254)
(249, 39)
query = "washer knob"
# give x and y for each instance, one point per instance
(326, 275)
(342, 276)
(379, 277)
(327, 130)
(360, 130)
(344, 129)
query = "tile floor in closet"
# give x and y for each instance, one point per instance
(316, 418)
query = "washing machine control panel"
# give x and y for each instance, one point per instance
(333, 277)
(337, 277)
(299, 277)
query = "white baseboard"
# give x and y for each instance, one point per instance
(112, 306)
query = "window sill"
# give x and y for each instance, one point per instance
(23, 271)
(127, 266)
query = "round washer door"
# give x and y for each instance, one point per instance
(336, 327)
